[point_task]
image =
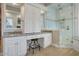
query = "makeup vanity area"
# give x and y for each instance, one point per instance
(17, 45)
(17, 32)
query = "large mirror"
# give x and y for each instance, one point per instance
(13, 17)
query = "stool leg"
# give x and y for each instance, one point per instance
(39, 48)
(29, 48)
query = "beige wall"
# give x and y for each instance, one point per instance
(56, 38)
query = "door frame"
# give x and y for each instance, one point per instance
(1, 28)
(2, 22)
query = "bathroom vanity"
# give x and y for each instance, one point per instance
(16, 45)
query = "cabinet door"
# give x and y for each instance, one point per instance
(27, 18)
(15, 46)
(47, 40)
(22, 46)
(12, 50)
(36, 19)
(10, 46)
(32, 19)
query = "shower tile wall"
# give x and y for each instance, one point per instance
(55, 14)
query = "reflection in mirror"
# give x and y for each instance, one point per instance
(13, 16)
(9, 22)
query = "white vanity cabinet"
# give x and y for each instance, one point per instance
(14, 46)
(47, 39)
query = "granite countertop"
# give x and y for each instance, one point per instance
(22, 34)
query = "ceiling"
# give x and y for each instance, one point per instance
(46, 4)
(17, 5)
